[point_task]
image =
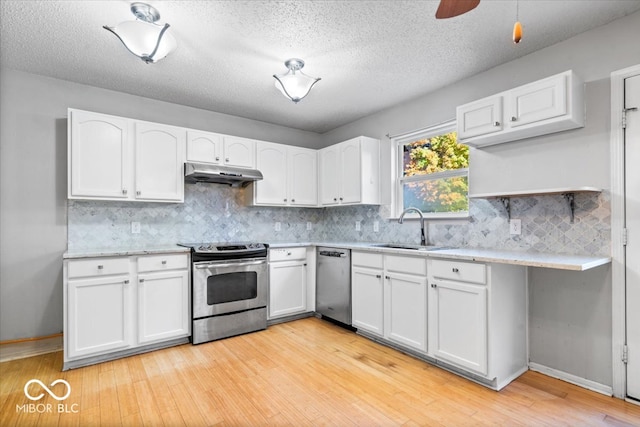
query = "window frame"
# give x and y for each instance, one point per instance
(398, 142)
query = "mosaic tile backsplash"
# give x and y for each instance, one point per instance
(219, 213)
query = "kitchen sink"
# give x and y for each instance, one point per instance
(411, 247)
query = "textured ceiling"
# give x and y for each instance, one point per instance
(370, 54)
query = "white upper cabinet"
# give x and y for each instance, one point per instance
(159, 162)
(289, 173)
(209, 147)
(204, 147)
(98, 156)
(546, 106)
(480, 117)
(303, 176)
(350, 172)
(115, 158)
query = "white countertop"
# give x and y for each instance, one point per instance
(125, 251)
(529, 259)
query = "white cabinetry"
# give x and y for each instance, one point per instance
(389, 298)
(477, 318)
(549, 105)
(163, 297)
(118, 305)
(159, 160)
(350, 172)
(98, 156)
(209, 147)
(114, 158)
(98, 301)
(289, 283)
(290, 176)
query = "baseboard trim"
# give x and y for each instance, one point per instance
(573, 379)
(23, 348)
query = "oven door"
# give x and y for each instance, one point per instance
(229, 286)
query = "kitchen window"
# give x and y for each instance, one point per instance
(433, 172)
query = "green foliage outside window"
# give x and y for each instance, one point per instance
(439, 192)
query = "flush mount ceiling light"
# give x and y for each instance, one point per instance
(295, 84)
(143, 37)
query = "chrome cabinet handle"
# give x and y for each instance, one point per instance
(285, 200)
(335, 200)
(126, 282)
(226, 159)
(496, 124)
(288, 253)
(455, 270)
(293, 200)
(124, 191)
(100, 267)
(378, 276)
(514, 119)
(433, 285)
(138, 193)
(387, 277)
(141, 280)
(217, 158)
(164, 262)
(340, 198)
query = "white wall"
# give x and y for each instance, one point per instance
(33, 204)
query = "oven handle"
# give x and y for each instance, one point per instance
(229, 264)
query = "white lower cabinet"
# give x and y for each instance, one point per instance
(478, 318)
(163, 306)
(98, 315)
(389, 298)
(118, 304)
(289, 283)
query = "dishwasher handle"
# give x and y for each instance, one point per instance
(335, 254)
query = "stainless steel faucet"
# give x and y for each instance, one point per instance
(423, 238)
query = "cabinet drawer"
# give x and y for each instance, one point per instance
(405, 264)
(97, 267)
(163, 262)
(366, 259)
(458, 270)
(286, 254)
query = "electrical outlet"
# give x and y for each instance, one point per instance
(357, 225)
(515, 227)
(376, 226)
(135, 227)
(309, 226)
(278, 226)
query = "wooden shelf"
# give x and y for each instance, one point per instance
(567, 192)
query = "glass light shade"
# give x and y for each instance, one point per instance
(141, 39)
(295, 84)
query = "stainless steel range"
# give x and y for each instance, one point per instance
(229, 284)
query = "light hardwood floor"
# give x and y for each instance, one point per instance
(306, 372)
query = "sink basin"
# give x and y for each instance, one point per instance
(411, 247)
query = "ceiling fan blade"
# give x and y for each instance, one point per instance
(451, 8)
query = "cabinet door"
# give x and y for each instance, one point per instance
(271, 160)
(329, 175)
(98, 152)
(239, 152)
(538, 101)
(406, 310)
(163, 306)
(458, 324)
(479, 118)
(159, 162)
(350, 171)
(98, 313)
(204, 147)
(287, 288)
(303, 177)
(367, 300)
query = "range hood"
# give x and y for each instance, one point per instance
(215, 174)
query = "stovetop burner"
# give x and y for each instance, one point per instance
(225, 250)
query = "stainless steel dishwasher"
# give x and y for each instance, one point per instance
(333, 284)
